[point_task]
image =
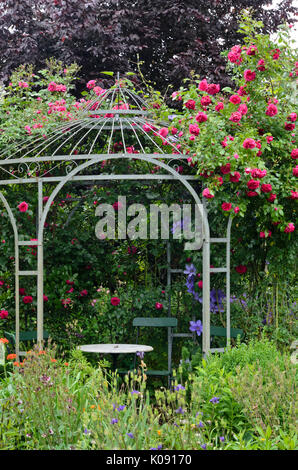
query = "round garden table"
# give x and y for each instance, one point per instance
(115, 349)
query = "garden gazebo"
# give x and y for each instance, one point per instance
(68, 154)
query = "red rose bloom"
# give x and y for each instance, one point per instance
(205, 100)
(213, 88)
(115, 301)
(249, 143)
(235, 117)
(235, 99)
(266, 188)
(241, 269)
(201, 117)
(294, 194)
(226, 206)
(289, 126)
(272, 197)
(295, 171)
(158, 306)
(28, 299)
(190, 104)
(294, 154)
(3, 314)
(249, 76)
(194, 129)
(225, 169)
(251, 193)
(234, 178)
(219, 106)
(253, 184)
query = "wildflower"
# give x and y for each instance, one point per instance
(222, 438)
(179, 387)
(214, 400)
(121, 408)
(11, 356)
(114, 421)
(203, 446)
(130, 434)
(180, 411)
(4, 340)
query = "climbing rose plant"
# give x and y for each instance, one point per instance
(242, 141)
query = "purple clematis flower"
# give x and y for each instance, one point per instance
(196, 326)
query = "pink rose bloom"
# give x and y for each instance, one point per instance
(237, 209)
(294, 194)
(3, 314)
(91, 84)
(292, 117)
(52, 86)
(201, 117)
(295, 171)
(83, 293)
(200, 284)
(261, 65)
(289, 228)
(45, 298)
(205, 101)
(241, 91)
(226, 206)
(190, 104)
(235, 99)
(249, 76)
(23, 85)
(163, 132)
(219, 106)
(271, 110)
(234, 178)
(213, 88)
(256, 173)
(206, 193)
(266, 188)
(194, 129)
(253, 184)
(23, 206)
(98, 90)
(234, 55)
(242, 109)
(203, 85)
(115, 301)
(249, 143)
(252, 50)
(235, 117)
(263, 234)
(294, 153)
(158, 306)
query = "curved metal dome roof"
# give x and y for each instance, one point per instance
(115, 118)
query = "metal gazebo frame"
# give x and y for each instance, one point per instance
(117, 109)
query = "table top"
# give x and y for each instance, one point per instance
(115, 348)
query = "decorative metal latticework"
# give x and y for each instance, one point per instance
(116, 125)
